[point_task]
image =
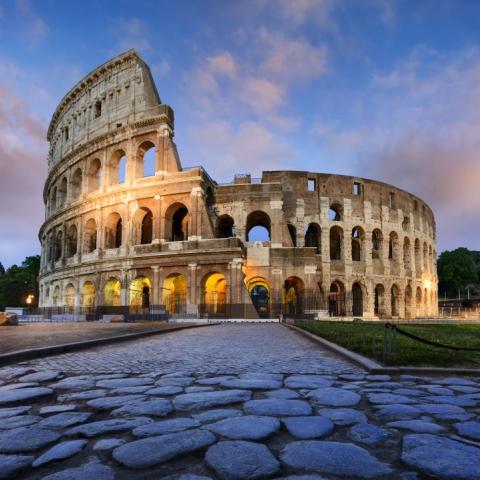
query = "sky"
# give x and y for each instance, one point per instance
(388, 90)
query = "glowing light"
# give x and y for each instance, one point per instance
(427, 284)
(30, 299)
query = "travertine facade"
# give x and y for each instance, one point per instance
(117, 233)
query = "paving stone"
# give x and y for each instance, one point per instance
(155, 450)
(19, 421)
(456, 381)
(214, 380)
(252, 383)
(192, 476)
(464, 389)
(304, 477)
(335, 397)
(249, 427)
(12, 464)
(74, 383)
(191, 401)
(353, 377)
(13, 372)
(43, 376)
(158, 407)
(443, 411)
(460, 400)
(343, 416)
(124, 382)
(277, 407)
(308, 381)
(217, 414)
(367, 433)
(130, 390)
(60, 452)
(175, 381)
(282, 393)
(92, 470)
(418, 426)
(166, 391)
(165, 426)
(196, 389)
(86, 395)
(64, 420)
(108, 443)
(441, 457)
(102, 427)
(409, 392)
(13, 411)
(26, 439)
(20, 395)
(57, 408)
(309, 427)
(398, 412)
(468, 429)
(440, 391)
(240, 460)
(384, 385)
(109, 403)
(389, 398)
(343, 459)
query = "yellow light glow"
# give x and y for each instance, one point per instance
(427, 284)
(30, 299)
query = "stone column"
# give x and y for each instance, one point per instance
(276, 292)
(193, 297)
(156, 291)
(276, 223)
(300, 223)
(124, 280)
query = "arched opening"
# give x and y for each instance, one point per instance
(53, 200)
(113, 231)
(58, 246)
(358, 237)
(292, 230)
(225, 227)
(62, 192)
(258, 227)
(98, 108)
(418, 256)
(76, 185)
(379, 301)
(395, 300)
(112, 293)
(94, 178)
(336, 242)
(214, 287)
(393, 244)
(147, 157)
(407, 254)
(118, 168)
(180, 225)
(88, 295)
(419, 302)
(72, 241)
(313, 237)
(426, 304)
(357, 300)
(377, 241)
(142, 226)
(174, 293)
(56, 296)
(140, 289)
(293, 290)
(259, 291)
(425, 256)
(90, 236)
(69, 298)
(335, 212)
(408, 302)
(336, 300)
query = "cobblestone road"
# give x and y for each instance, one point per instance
(231, 402)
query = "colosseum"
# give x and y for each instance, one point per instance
(128, 229)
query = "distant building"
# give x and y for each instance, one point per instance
(126, 225)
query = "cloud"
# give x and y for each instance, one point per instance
(131, 32)
(223, 64)
(34, 28)
(22, 162)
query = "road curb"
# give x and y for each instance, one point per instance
(31, 353)
(377, 368)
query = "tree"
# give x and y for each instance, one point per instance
(2, 269)
(19, 282)
(456, 270)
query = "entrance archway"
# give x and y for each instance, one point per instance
(379, 301)
(112, 293)
(88, 295)
(259, 291)
(293, 291)
(395, 300)
(336, 300)
(174, 293)
(140, 289)
(357, 300)
(214, 293)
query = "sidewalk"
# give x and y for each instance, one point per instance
(43, 335)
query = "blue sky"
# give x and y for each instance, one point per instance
(383, 89)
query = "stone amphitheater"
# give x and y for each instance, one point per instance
(127, 227)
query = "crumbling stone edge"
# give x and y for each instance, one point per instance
(31, 353)
(374, 367)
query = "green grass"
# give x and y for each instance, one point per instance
(368, 339)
